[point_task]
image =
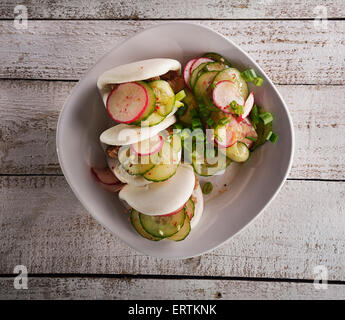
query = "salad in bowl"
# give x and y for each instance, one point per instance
(176, 129)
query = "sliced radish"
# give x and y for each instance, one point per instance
(148, 146)
(224, 93)
(187, 73)
(246, 129)
(107, 179)
(113, 187)
(248, 105)
(198, 62)
(104, 175)
(235, 131)
(127, 102)
(172, 213)
(227, 135)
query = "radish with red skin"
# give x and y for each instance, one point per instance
(187, 72)
(247, 130)
(198, 62)
(172, 213)
(224, 93)
(227, 139)
(248, 105)
(227, 135)
(107, 179)
(104, 176)
(235, 131)
(148, 146)
(127, 102)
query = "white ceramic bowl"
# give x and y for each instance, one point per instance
(84, 117)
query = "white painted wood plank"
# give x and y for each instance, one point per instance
(291, 52)
(28, 121)
(173, 9)
(44, 227)
(165, 289)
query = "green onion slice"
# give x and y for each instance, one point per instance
(251, 138)
(178, 104)
(266, 117)
(258, 81)
(180, 95)
(207, 188)
(250, 76)
(274, 137)
(210, 122)
(223, 121)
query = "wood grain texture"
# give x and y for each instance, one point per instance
(28, 121)
(173, 9)
(44, 227)
(291, 52)
(158, 289)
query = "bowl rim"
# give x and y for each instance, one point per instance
(76, 87)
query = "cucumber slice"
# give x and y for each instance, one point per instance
(234, 75)
(136, 165)
(205, 169)
(175, 142)
(238, 152)
(202, 89)
(153, 119)
(161, 172)
(215, 66)
(184, 231)
(168, 155)
(195, 74)
(135, 220)
(217, 57)
(191, 104)
(163, 226)
(165, 97)
(190, 208)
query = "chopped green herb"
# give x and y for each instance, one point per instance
(250, 76)
(258, 81)
(210, 122)
(274, 137)
(207, 188)
(179, 104)
(194, 113)
(178, 126)
(196, 123)
(180, 95)
(251, 138)
(266, 117)
(182, 110)
(236, 108)
(204, 111)
(223, 121)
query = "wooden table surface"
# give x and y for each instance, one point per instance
(69, 255)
